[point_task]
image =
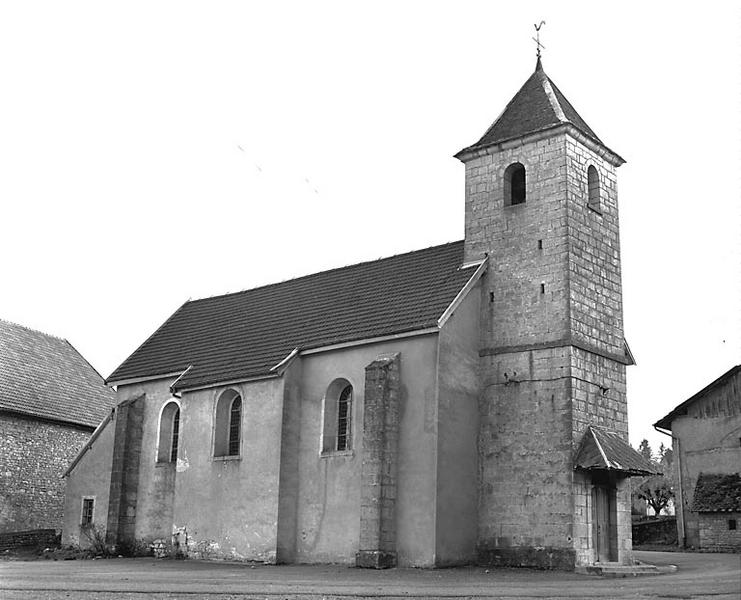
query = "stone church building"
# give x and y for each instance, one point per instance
(462, 403)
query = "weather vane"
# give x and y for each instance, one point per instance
(537, 38)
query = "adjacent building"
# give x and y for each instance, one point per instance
(51, 400)
(706, 439)
(461, 403)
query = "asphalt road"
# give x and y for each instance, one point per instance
(698, 576)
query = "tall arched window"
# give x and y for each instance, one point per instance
(337, 431)
(175, 436)
(593, 188)
(235, 426)
(228, 424)
(514, 184)
(169, 434)
(344, 422)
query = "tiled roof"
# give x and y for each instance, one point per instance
(44, 376)
(603, 449)
(716, 493)
(245, 334)
(681, 410)
(538, 105)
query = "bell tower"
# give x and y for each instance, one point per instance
(541, 206)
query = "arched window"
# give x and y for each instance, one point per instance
(235, 426)
(593, 188)
(175, 436)
(344, 413)
(337, 432)
(169, 434)
(514, 184)
(228, 424)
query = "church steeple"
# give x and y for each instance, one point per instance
(542, 211)
(537, 107)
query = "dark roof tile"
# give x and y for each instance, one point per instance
(44, 376)
(716, 493)
(245, 334)
(603, 449)
(537, 106)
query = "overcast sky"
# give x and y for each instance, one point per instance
(152, 152)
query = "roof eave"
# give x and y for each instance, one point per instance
(145, 378)
(681, 409)
(596, 146)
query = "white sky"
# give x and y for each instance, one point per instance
(151, 152)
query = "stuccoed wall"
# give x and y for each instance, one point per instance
(33, 456)
(91, 477)
(458, 430)
(328, 517)
(706, 441)
(227, 507)
(148, 503)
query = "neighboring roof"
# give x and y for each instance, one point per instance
(246, 334)
(606, 450)
(716, 493)
(681, 410)
(537, 106)
(44, 376)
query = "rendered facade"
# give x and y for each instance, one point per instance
(706, 439)
(463, 403)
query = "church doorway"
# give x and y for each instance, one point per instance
(604, 522)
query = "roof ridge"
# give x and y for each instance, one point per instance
(44, 333)
(331, 270)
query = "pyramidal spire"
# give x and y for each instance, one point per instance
(537, 106)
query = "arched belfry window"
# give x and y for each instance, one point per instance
(338, 417)
(514, 184)
(593, 188)
(169, 433)
(228, 424)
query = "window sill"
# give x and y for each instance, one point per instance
(228, 457)
(594, 209)
(333, 453)
(164, 463)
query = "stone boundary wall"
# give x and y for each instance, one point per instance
(28, 539)
(655, 531)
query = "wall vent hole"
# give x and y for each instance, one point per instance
(491, 296)
(542, 288)
(540, 244)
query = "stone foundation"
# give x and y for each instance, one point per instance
(538, 557)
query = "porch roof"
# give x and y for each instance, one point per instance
(601, 449)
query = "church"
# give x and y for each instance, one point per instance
(460, 404)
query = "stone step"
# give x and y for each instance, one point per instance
(618, 570)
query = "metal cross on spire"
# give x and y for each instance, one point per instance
(536, 39)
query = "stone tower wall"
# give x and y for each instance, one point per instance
(552, 349)
(596, 304)
(525, 454)
(526, 243)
